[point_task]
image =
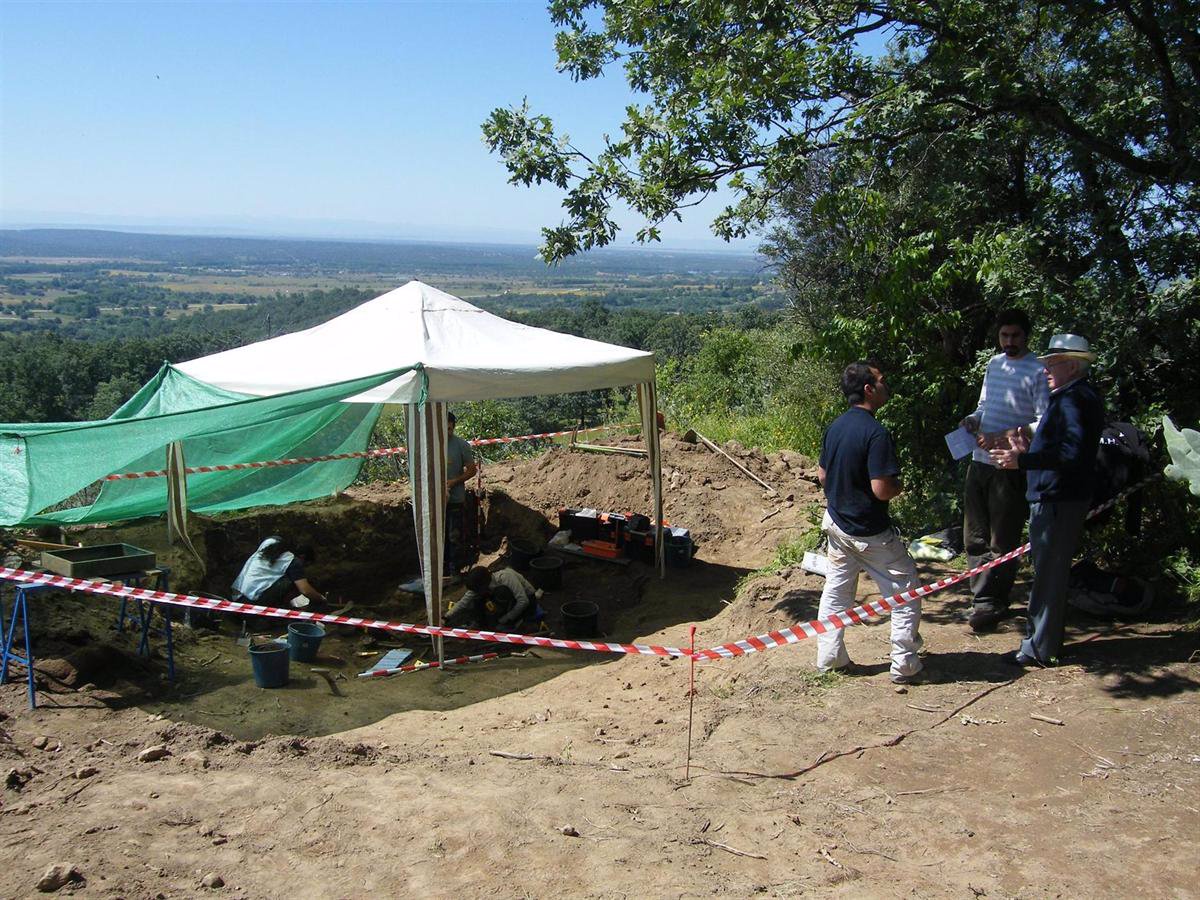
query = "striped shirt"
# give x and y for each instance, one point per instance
(1014, 393)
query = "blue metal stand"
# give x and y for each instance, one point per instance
(145, 612)
(20, 614)
(20, 618)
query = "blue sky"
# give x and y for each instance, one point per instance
(323, 119)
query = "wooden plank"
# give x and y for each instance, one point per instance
(597, 448)
(45, 545)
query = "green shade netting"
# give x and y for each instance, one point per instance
(45, 464)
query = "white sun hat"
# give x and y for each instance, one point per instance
(1073, 345)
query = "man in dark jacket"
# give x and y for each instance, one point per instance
(1060, 467)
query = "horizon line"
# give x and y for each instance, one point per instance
(228, 231)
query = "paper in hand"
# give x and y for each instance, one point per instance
(960, 442)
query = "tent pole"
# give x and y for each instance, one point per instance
(648, 405)
(427, 429)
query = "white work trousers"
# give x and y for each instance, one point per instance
(885, 558)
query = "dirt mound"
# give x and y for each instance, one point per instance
(725, 511)
(563, 774)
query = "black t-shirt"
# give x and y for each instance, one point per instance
(856, 448)
(295, 570)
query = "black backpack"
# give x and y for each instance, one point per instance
(1123, 459)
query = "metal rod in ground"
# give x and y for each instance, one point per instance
(715, 449)
(687, 768)
(416, 667)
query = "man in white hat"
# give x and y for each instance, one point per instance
(1060, 466)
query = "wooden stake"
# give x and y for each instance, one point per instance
(687, 768)
(713, 447)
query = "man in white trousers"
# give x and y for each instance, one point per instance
(860, 474)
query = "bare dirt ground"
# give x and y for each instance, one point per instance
(557, 774)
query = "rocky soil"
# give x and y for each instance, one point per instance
(556, 774)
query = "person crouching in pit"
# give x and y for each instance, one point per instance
(860, 474)
(499, 601)
(274, 576)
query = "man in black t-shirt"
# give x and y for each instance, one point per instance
(860, 474)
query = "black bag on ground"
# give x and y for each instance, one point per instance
(1106, 594)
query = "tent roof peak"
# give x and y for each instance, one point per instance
(464, 352)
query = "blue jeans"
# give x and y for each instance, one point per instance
(1054, 532)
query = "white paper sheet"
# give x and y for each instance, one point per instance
(815, 563)
(961, 442)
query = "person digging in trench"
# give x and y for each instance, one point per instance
(274, 576)
(500, 601)
(860, 474)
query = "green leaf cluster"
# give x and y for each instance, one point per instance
(1184, 447)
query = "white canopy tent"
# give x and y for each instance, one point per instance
(459, 352)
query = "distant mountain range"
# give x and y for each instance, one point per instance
(207, 251)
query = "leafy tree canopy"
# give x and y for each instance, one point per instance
(750, 91)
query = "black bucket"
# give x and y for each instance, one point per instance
(546, 572)
(639, 545)
(521, 552)
(581, 619)
(679, 551)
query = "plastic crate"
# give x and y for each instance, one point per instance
(98, 560)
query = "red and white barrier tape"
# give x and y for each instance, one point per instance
(266, 464)
(855, 616)
(417, 667)
(87, 586)
(482, 442)
(362, 454)
(754, 644)
(859, 614)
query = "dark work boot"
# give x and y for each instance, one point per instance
(984, 619)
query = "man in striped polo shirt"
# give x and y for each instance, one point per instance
(1014, 396)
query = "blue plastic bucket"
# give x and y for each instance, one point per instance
(304, 640)
(270, 665)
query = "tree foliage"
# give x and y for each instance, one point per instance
(913, 167)
(749, 92)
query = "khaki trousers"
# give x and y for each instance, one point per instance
(884, 557)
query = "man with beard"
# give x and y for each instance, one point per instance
(1012, 401)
